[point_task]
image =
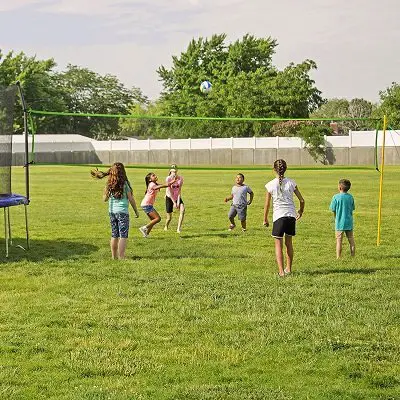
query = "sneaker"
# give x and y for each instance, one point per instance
(287, 272)
(165, 228)
(244, 229)
(231, 227)
(143, 230)
(178, 231)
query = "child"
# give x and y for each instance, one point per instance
(173, 198)
(284, 217)
(147, 203)
(342, 205)
(239, 203)
(118, 192)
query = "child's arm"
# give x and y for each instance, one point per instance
(228, 198)
(156, 187)
(266, 208)
(106, 194)
(251, 198)
(302, 203)
(133, 203)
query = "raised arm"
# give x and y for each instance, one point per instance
(302, 202)
(266, 208)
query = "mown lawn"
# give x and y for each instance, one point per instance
(201, 315)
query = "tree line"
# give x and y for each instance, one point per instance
(246, 84)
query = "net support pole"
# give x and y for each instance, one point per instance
(26, 133)
(378, 238)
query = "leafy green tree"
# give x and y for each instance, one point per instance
(85, 91)
(35, 77)
(390, 105)
(343, 108)
(245, 84)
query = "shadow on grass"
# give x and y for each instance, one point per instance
(41, 250)
(355, 271)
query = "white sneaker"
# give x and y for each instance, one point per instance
(165, 228)
(178, 231)
(143, 230)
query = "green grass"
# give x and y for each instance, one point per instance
(202, 316)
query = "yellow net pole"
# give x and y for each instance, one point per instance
(378, 239)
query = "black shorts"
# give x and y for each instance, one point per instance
(284, 226)
(169, 204)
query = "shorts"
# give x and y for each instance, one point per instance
(169, 204)
(119, 225)
(340, 234)
(284, 226)
(241, 212)
(148, 209)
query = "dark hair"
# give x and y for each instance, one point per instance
(240, 174)
(280, 167)
(345, 184)
(147, 180)
(116, 179)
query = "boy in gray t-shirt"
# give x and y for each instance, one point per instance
(239, 202)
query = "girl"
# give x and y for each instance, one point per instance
(173, 198)
(147, 203)
(281, 191)
(118, 193)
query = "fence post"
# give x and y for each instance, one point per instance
(190, 143)
(255, 142)
(210, 143)
(350, 138)
(169, 144)
(277, 142)
(148, 144)
(231, 143)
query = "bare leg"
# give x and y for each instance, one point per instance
(154, 219)
(339, 238)
(352, 243)
(181, 216)
(279, 255)
(114, 247)
(167, 221)
(289, 254)
(121, 248)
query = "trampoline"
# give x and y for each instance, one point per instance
(7, 198)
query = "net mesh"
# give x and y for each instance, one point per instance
(7, 101)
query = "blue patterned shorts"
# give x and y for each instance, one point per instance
(119, 225)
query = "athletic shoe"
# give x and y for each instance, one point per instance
(143, 230)
(231, 227)
(165, 228)
(178, 231)
(244, 230)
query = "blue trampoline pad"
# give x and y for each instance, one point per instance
(12, 199)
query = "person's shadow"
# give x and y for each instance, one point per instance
(40, 250)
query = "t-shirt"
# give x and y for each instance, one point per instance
(282, 198)
(150, 196)
(174, 190)
(343, 205)
(239, 194)
(120, 205)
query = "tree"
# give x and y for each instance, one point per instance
(343, 108)
(36, 82)
(390, 105)
(85, 91)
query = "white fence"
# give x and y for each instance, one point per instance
(51, 143)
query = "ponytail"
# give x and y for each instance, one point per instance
(147, 180)
(280, 167)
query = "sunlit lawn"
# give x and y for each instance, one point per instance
(202, 315)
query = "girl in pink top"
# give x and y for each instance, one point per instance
(173, 198)
(147, 203)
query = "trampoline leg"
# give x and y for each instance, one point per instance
(6, 230)
(9, 225)
(26, 227)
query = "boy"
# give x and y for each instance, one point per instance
(342, 205)
(239, 203)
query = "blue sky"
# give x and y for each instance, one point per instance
(354, 42)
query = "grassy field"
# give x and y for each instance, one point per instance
(201, 315)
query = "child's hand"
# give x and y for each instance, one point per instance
(249, 202)
(299, 214)
(266, 223)
(176, 205)
(136, 214)
(226, 200)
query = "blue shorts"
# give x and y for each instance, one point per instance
(119, 225)
(148, 209)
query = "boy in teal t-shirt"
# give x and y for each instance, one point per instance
(342, 205)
